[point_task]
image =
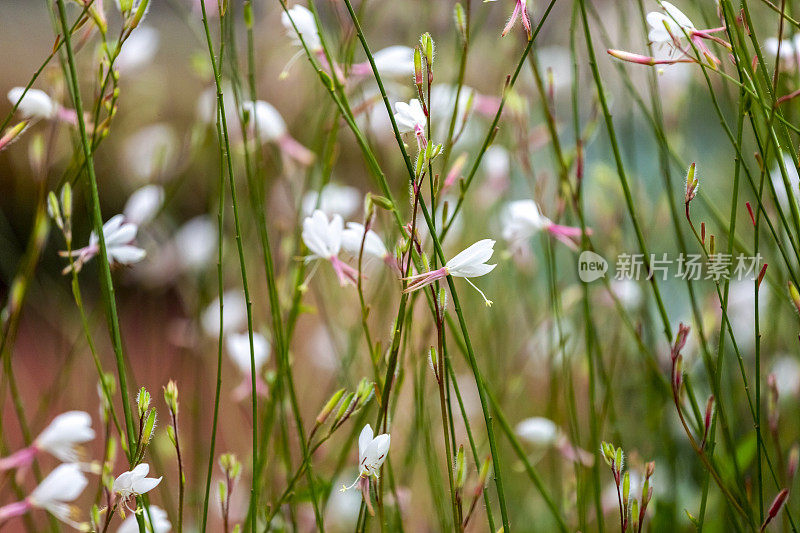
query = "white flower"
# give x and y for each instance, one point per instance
(373, 244)
(144, 204)
(323, 237)
(196, 242)
(138, 49)
(334, 199)
(372, 451)
(151, 152)
(471, 263)
(786, 370)
(234, 314)
(539, 431)
(268, 121)
(777, 180)
(119, 235)
(672, 22)
(496, 163)
(63, 485)
(395, 61)
(786, 48)
(306, 27)
(35, 103)
(410, 116)
(522, 219)
(135, 482)
(558, 61)
(238, 345)
(159, 519)
(62, 437)
(207, 103)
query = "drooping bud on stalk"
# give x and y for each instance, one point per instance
(795, 296)
(12, 133)
(692, 184)
(775, 508)
(461, 22)
(54, 210)
(330, 406)
(483, 475)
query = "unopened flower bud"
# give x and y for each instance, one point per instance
(417, 67)
(12, 133)
(775, 508)
(330, 406)
(692, 184)
(461, 469)
(143, 401)
(171, 396)
(461, 21)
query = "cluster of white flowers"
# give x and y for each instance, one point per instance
(63, 439)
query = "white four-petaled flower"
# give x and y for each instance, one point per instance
(323, 238)
(134, 483)
(410, 117)
(372, 452)
(469, 263)
(668, 26)
(61, 439)
(306, 27)
(54, 494)
(119, 236)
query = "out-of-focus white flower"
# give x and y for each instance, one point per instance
(324, 239)
(306, 27)
(391, 61)
(538, 431)
(496, 163)
(342, 508)
(786, 370)
(54, 494)
(138, 49)
(334, 199)
(135, 482)
(469, 263)
(207, 104)
(522, 219)
(373, 244)
(670, 25)
(154, 515)
(234, 314)
(151, 152)
(410, 117)
(372, 452)
(61, 438)
(628, 292)
(35, 104)
(777, 180)
(238, 345)
(119, 236)
(64, 435)
(144, 204)
(196, 242)
(787, 49)
(271, 127)
(267, 120)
